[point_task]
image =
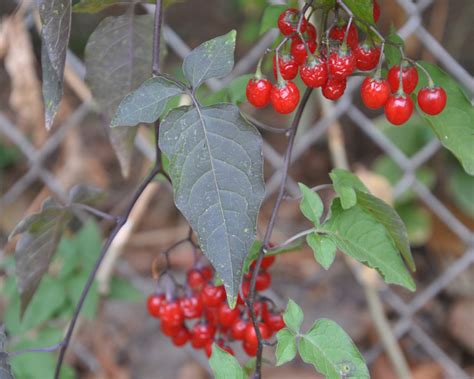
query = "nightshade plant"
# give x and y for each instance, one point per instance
(214, 161)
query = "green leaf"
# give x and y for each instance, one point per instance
(324, 249)
(392, 222)
(56, 27)
(311, 205)
(359, 234)
(345, 183)
(418, 222)
(212, 59)
(362, 9)
(252, 255)
(74, 287)
(146, 104)
(331, 351)
(118, 59)
(270, 17)
(121, 289)
(224, 365)
(462, 188)
(5, 368)
(454, 127)
(216, 165)
(237, 89)
(392, 53)
(293, 316)
(286, 346)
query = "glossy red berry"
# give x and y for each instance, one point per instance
(171, 313)
(285, 97)
(202, 333)
(250, 349)
(374, 92)
(268, 261)
(170, 330)
(337, 33)
(274, 321)
(334, 89)
(191, 306)
(288, 22)
(398, 109)
(264, 279)
(251, 334)
(298, 50)
(311, 32)
(432, 101)
(181, 337)
(314, 73)
(409, 78)
(367, 57)
(260, 309)
(288, 66)
(341, 64)
(195, 279)
(207, 272)
(238, 329)
(258, 92)
(154, 303)
(376, 11)
(213, 296)
(245, 288)
(227, 315)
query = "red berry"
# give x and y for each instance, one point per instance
(170, 330)
(207, 271)
(221, 344)
(311, 32)
(258, 92)
(398, 109)
(191, 306)
(154, 303)
(432, 100)
(285, 97)
(334, 89)
(251, 334)
(201, 333)
(314, 73)
(367, 57)
(374, 92)
(274, 321)
(171, 313)
(341, 64)
(409, 78)
(250, 350)
(298, 50)
(210, 314)
(288, 22)
(288, 66)
(213, 296)
(245, 288)
(268, 261)
(337, 33)
(260, 309)
(181, 337)
(376, 11)
(238, 329)
(263, 282)
(227, 315)
(195, 280)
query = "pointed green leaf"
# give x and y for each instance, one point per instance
(286, 346)
(252, 255)
(331, 351)
(224, 365)
(363, 9)
(454, 127)
(293, 316)
(311, 205)
(392, 53)
(345, 183)
(324, 249)
(216, 165)
(146, 104)
(359, 234)
(212, 59)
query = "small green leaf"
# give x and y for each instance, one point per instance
(311, 205)
(237, 89)
(121, 289)
(331, 351)
(293, 316)
(345, 183)
(392, 53)
(252, 255)
(270, 17)
(145, 104)
(212, 59)
(363, 9)
(324, 249)
(74, 287)
(286, 346)
(224, 365)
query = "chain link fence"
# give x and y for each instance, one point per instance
(407, 323)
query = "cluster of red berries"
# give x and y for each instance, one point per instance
(328, 67)
(201, 315)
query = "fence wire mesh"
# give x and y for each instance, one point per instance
(407, 323)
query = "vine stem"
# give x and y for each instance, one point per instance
(271, 225)
(121, 221)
